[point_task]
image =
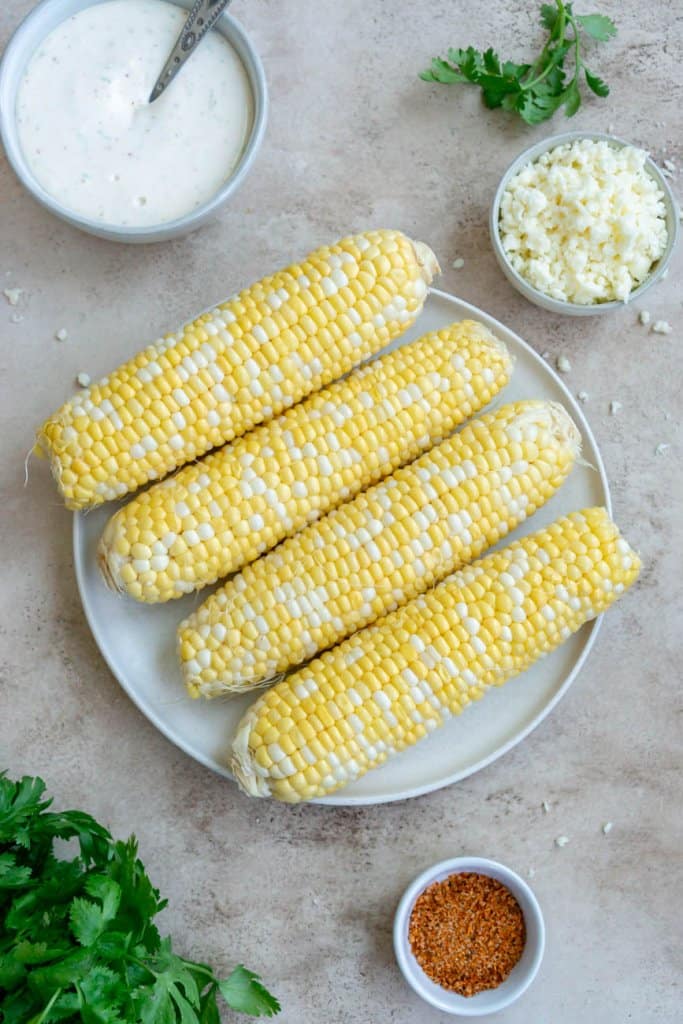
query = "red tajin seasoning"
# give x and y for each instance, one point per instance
(467, 932)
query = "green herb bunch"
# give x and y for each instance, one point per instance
(77, 938)
(534, 91)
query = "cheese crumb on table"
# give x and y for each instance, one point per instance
(546, 806)
(661, 448)
(607, 827)
(661, 327)
(614, 408)
(644, 317)
(458, 263)
(583, 396)
(83, 380)
(561, 841)
(13, 295)
(563, 364)
(62, 334)
(584, 222)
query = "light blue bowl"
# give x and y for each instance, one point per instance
(21, 47)
(558, 305)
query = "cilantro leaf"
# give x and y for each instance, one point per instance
(512, 70)
(491, 62)
(571, 98)
(441, 71)
(12, 971)
(243, 991)
(87, 921)
(470, 62)
(12, 876)
(535, 108)
(598, 26)
(599, 87)
(549, 16)
(209, 1010)
(534, 91)
(495, 88)
(107, 890)
(78, 941)
(155, 1007)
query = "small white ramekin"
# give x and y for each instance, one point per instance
(21, 47)
(521, 975)
(558, 305)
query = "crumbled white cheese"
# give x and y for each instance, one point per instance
(458, 263)
(83, 380)
(13, 295)
(644, 317)
(546, 806)
(563, 364)
(545, 355)
(583, 396)
(670, 166)
(607, 827)
(614, 408)
(561, 840)
(585, 222)
(661, 448)
(661, 327)
(62, 334)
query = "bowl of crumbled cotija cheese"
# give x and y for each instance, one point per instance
(583, 223)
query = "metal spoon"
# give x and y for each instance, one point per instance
(202, 17)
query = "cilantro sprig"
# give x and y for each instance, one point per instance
(534, 91)
(77, 938)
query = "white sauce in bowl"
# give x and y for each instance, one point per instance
(95, 143)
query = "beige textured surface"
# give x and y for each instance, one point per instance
(306, 895)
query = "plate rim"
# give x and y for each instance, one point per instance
(340, 800)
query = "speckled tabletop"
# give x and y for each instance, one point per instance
(306, 895)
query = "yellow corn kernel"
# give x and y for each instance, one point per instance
(235, 367)
(427, 688)
(280, 476)
(375, 553)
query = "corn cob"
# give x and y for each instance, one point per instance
(379, 551)
(236, 366)
(388, 686)
(220, 513)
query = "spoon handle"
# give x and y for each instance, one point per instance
(202, 17)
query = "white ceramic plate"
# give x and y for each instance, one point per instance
(138, 641)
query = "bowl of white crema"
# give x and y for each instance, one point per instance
(82, 137)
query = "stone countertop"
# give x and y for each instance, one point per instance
(306, 895)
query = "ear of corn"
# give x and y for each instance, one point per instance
(213, 517)
(236, 366)
(374, 554)
(388, 686)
